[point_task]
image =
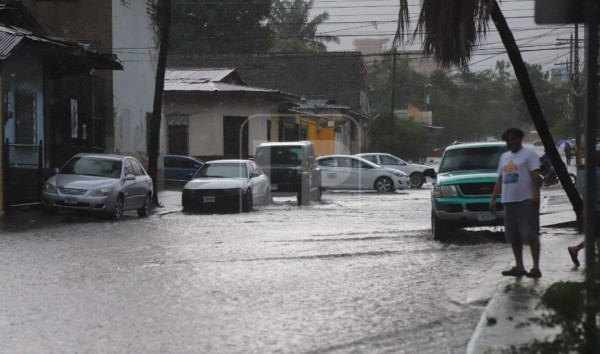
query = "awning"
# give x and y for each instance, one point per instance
(70, 56)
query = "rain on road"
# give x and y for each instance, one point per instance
(357, 272)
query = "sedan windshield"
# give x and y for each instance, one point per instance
(223, 170)
(92, 166)
(480, 158)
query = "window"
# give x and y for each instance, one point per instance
(25, 123)
(371, 158)
(137, 169)
(388, 160)
(128, 168)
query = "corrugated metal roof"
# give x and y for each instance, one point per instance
(198, 75)
(205, 80)
(176, 85)
(8, 41)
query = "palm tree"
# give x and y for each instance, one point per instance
(162, 23)
(450, 31)
(293, 30)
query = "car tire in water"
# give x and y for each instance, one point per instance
(118, 210)
(416, 180)
(267, 198)
(247, 201)
(439, 228)
(144, 211)
(384, 185)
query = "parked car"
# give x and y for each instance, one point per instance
(419, 174)
(102, 183)
(462, 190)
(292, 169)
(180, 168)
(352, 172)
(226, 184)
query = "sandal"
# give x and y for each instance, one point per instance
(514, 272)
(573, 257)
(534, 273)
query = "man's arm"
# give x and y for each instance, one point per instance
(536, 182)
(496, 193)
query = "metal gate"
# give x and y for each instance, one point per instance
(23, 174)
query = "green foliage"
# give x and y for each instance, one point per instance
(294, 32)
(215, 26)
(566, 309)
(552, 98)
(470, 106)
(408, 139)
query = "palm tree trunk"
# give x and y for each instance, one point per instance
(537, 116)
(164, 11)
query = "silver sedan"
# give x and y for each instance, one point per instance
(351, 172)
(103, 183)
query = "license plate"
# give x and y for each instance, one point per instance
(208, 199)
(486, 217)
(71, 201)
(274, 187)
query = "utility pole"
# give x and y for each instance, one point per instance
(575, 99)
(393, 115)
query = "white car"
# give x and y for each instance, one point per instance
(352, 172)
(227, 184)
(419, 174)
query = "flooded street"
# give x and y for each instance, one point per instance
(353, 273)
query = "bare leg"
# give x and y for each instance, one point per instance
(535, 253)
(517, 249)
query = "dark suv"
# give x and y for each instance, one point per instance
(292, 168)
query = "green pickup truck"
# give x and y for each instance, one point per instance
(463, 188)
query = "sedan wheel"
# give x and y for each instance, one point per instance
(118, 211)
(384, 185)
(247, 201)
(144, 211)
(416, 180)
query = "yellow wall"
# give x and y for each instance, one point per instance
(322, 139)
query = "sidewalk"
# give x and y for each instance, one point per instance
(515, 299)
(34, 217)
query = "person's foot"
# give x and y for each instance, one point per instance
(573, 254)
(514, 272)
(534, 273)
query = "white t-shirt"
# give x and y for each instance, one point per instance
(516, 169)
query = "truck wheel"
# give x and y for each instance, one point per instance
(439, 228)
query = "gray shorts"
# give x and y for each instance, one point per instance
(521, 222)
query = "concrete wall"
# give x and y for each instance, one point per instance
(206, 121)
(133, 88)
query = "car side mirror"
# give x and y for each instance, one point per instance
(130, 177)
(190, 175)
(254, 174)
(54, 171)
(430, 172)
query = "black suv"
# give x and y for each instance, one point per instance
(292, 168)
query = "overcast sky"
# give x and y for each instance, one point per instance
(540, 44)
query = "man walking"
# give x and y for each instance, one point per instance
(568, 152)
(518, 180)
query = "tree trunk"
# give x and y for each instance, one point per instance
(533, 106)
(163, 10)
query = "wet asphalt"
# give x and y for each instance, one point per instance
(357, 272)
